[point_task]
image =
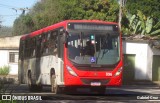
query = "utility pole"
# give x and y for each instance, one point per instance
(22, 9)
(120, 14)
(0, 24)
(121, 5)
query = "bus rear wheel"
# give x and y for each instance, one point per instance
(54, 87)
(31, 86)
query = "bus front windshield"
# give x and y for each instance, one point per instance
(93, 48)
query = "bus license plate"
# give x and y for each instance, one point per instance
(95, 83)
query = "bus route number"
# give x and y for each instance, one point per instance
(108, 74)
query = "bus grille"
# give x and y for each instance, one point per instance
(88, 81)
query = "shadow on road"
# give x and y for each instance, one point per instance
(112, 93)
(126, 92)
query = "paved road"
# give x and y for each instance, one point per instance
(122, 94)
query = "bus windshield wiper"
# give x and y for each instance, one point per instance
(104, 52)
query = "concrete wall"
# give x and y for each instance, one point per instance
(7, 45)
(3, 57)
(4, 60)
(9, 42)
(149, 62)
(141, 59)
(156, 51)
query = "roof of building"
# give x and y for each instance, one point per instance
(9, 42)
(154, 42)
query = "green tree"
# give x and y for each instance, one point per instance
(78, 9)
(48, 12)
(22, 25)
(148, 7)
(5, 31)
(141, 24)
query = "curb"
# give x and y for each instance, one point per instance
(141, 83)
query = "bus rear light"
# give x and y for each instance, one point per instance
(71, 71)
(118, 72)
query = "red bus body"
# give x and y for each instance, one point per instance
(85, 76)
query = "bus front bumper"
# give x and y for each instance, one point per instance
(93, 81)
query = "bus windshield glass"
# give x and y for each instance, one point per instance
(94, 48)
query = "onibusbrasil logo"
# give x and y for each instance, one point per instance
(15, 97)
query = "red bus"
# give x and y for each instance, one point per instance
(72, 53)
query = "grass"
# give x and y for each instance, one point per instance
(4, 70)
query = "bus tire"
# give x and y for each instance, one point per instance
(33, 87)
(54, 87)
(30, 85)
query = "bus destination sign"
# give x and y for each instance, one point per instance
(90, 26)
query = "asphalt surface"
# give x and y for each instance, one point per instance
(127, 93)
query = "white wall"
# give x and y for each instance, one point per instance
(141, 59)
(149, 62)
(4, 60)
(3, 57)
(13, 66)
(9, 44)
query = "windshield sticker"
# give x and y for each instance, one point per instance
(93, 59)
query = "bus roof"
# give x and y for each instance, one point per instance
(61, 24)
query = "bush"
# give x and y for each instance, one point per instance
(4, 70)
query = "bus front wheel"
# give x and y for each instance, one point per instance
(54, 87)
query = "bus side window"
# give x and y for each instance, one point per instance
(27, 51)
(48, 36)
(38, 45)
(32, 48)
(53, 43)
(60, 41)
(43, 44)
(56, 44)
(21, 50)
(29, 48)
(25, 44)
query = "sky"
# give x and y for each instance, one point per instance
(8, 14)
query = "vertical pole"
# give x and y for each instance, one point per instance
(120, 14)
(0, 24)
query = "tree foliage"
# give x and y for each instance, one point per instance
(48, 12)
(148, 7)
(23, 24)
(141, 17)
(141, 24)
(5, 31)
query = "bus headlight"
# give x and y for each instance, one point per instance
(71, 71)
(118, 72)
